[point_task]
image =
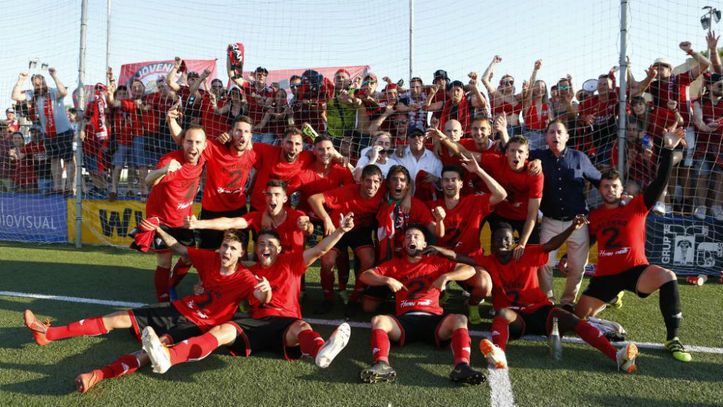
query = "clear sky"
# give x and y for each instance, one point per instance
(580, 37)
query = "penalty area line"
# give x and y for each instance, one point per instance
(335, 322)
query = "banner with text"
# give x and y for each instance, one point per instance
(33, 218)
(685, 245)
(149, 71)
(109, 223)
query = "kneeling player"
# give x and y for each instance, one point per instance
(225, 282)
(276, 325)
(622, 264)
(417, 281)
(523, 309)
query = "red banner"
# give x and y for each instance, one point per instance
(149, 71)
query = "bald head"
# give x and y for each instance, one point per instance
(453, 130)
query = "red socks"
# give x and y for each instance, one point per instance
(591, 335)
(179, 271)
(380, 346)
(193, 349)
(124, 365)
(310, 342)
(461, 346)
(500, 332)
(161, 281)
(85, 327)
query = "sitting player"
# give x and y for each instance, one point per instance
(225, 282)
(522, 307)
(622, 264)
(276, 325)
(418, 281)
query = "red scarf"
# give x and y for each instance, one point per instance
(97, 117)
(50, 129)
(462, 113)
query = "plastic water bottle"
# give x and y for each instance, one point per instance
(554, 342)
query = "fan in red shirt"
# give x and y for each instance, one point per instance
(524, 191)
(364, 201)
(276, 325)
(521, 306)
(224, 283)
(622, 264)
(463, 223)
(458, 106)
(174, 184)
(282, 163)
(417, 281)
(708, 119)
(291, 224)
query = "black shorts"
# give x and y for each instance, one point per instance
(60, 146)
(211, 239)
(517, 226)
(420, 327)
(268, 333)
(357, 238)
(186, 237)
(165, 319)
(377, 293)
(533, 323)
(606, 288)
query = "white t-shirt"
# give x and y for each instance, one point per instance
(364, 161)
(427, 162)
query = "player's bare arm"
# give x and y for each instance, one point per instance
(498, 193)
(190, 222)
(346, 224)
(169, 240)
(372, 278)
(557, 241)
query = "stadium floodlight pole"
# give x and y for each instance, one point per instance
(411, 41)
(109, 6)
(78, 142)
(623, 95)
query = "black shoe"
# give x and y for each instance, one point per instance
(463, 373)
(352, 308)
(325, 307)
(378, 372)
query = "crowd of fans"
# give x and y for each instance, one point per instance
(124, 126)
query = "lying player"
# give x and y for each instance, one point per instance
(276, 325)
(622, 264)
(522, 307)
(225, 282)
(417, 281)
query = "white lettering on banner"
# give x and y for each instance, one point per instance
(26, 221)
(690, 246)
(153, 69)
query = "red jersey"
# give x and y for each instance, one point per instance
(535, 120)
(122, 129)
(392, 222)
(418, 277)
(499, 106)
(172, 198)
(213, 123)
(292, 238)
(515, 284)
(463, 223)
(602, 110)
(620, 234)
(24, 172)
(309, 182)
(675, 88)
(270, 165)
(472, 183)
(349, 199)
(708, 145)
(221, 294)
(285, 280)
(520, 186)
(226, 176)
(256, 110)
(660, 119)
(159, 105)
(135, 116)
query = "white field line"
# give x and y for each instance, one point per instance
(500, 388)
(334, 322)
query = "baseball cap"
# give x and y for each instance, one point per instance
(441, 73)
(371, 76)
(10, 110)
(261, 69)
(414, 130)
(663, 61)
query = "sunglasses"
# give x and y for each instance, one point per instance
(389, 151)
(507, 82)
(295, 85)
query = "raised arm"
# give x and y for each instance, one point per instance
(169, 240)
(190, 222)
(556, 241)
(377, 123)
(498, 194)
(655, 188)
(174, 129)
(527, 96)
(155, 176)
(436, 106)
(171, 77)
(18, 95)
(712, 41)
(346, 224)
(62, 91)
(487, 75)
(316, 203)
(478, 100)
(703, 62)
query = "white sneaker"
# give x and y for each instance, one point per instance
(717, 212)
(659, 208)
(494, 355)
(336, 343)
(626, 358)
(160, 359)
(699, 213)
